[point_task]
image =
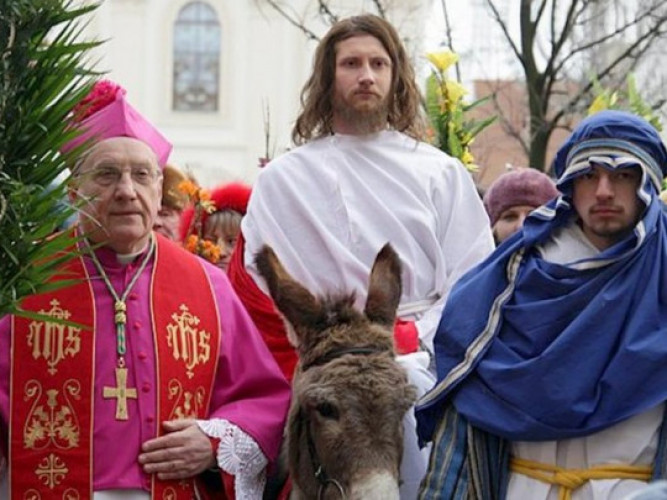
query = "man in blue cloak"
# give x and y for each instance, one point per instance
(552, 353)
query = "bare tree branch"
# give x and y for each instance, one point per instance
(623, 56)
(326, 12)
(507, 126)
(566, 32)
(380, 8)
(293, 20)
(606, 37)
(576, 31)
(448, 37)
(503, 26)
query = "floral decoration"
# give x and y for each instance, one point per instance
(201, 203)
(451, 128)
(627, 99)
(101, 95)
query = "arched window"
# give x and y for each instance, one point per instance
(196, 59)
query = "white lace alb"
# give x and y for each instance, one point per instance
(238, 455)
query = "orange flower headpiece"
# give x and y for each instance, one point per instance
(233, 196)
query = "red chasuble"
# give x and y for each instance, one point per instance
(52, 375)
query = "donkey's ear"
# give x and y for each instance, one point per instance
(384, 290)
(295, 302)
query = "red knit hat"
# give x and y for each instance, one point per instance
(523, 186)
(233, 196)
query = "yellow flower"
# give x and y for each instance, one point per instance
(599, 104)
(453, 129)
(443, 59)
(467, 157)
(603, 101)
(455, 92)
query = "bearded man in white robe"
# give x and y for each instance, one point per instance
(362, 177)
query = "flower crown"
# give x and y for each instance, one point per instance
(201, 206)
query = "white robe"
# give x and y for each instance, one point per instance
(328, 207)
(631, 442)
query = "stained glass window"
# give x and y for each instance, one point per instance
(196, 59)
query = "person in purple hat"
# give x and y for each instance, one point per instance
(551, 357)
(512, 196)
(157, 375)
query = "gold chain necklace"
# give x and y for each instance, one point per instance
(121, 392)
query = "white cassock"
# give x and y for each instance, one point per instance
(328, 207)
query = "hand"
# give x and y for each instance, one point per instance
(183, 452)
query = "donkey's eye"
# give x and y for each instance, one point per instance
(327, 410)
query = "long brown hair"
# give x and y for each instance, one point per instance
(316, 117)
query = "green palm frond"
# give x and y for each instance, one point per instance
(43, 74)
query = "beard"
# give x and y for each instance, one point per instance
(612, 232)
(365, 117)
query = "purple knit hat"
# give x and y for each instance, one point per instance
(523, 186)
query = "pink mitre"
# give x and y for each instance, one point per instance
(104, 113)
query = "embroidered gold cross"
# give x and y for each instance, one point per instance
(121, 392)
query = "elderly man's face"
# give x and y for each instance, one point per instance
(121, 184)
(607, 204)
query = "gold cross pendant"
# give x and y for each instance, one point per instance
(121, 392)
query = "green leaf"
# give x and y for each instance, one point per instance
(43, 317)
(43, 74)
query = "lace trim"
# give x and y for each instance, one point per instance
(239, 455)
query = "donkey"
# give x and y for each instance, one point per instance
(344, 428)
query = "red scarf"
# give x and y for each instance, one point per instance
(262, 311)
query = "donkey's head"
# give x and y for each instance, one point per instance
(349, 394)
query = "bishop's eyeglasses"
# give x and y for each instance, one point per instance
(107, 175)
